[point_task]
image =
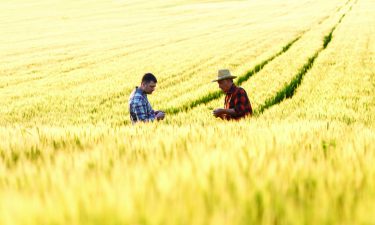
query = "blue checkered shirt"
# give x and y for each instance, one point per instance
(139, 107)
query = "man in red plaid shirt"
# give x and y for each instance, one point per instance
(237, 104)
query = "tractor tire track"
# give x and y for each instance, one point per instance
(289, 89)
(217, 94)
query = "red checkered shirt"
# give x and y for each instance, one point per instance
(237, 99)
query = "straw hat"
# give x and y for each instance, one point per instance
(224, 74)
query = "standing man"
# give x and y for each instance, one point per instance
(139, 107)
(237, 104)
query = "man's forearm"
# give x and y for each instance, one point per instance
(230, 112)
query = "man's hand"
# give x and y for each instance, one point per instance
(159, 115)
(219, 112)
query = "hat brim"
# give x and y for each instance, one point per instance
(224, 78)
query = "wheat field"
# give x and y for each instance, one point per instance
(70, 155)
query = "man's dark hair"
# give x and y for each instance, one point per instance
(148, 77)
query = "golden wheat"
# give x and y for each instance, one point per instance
(69, 155)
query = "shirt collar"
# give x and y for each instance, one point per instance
(232, 89)
(140, 91)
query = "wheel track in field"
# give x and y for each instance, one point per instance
(210, 96)
(198, 68)
(217, 94)
(289, 89)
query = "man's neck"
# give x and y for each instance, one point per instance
(230, 90)
(140, 88)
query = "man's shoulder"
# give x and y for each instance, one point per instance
(241, 90)
(136, 95)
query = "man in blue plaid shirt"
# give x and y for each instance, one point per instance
(139, 107)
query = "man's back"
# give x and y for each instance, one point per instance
(237, 99)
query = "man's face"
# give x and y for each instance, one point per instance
(148, 87)
(225, 85)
